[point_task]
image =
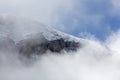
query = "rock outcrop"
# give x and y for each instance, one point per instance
(31, 37)
(30, 47)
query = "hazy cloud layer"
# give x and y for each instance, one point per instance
(91, 62)
(42, 10)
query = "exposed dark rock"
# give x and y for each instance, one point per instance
(60, 44)
(32, 46)
(56, 45)
(29, 47)
(71, 45)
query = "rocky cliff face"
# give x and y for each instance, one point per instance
(29, 37)
(38, 46)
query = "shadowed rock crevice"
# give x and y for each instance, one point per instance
(60, 44)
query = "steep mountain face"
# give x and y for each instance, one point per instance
(38, 46)
(28, 37)
(31, 37)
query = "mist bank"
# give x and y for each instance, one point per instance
(88, 63)
(95, 60)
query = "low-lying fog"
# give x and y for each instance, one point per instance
(91, 62)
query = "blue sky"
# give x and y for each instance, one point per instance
(96, 17)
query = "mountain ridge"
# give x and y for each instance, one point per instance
(30, 36)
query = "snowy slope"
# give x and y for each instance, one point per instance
(20, 28)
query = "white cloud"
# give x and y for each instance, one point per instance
(81, 65)
(113, 41)
(116, 3)
(115, 7)
(42, 10)
(91, 62)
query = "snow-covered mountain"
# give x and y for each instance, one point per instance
(30, 37)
